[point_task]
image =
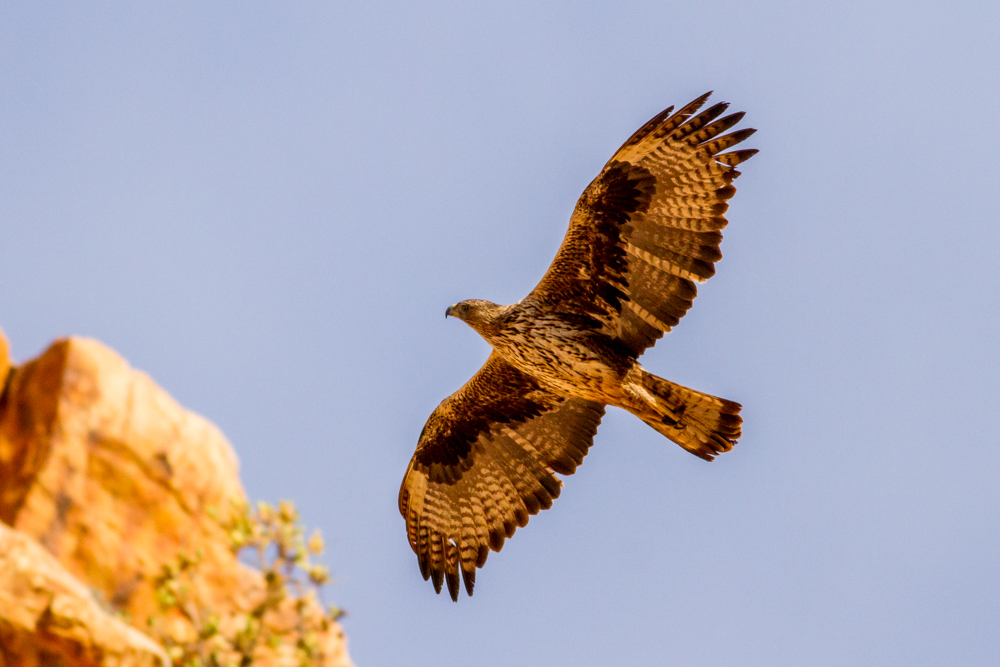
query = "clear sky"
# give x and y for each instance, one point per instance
(268, 207)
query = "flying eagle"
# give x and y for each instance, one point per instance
(641, 235)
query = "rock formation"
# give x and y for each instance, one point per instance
(4, 361)
(113, 478)
(48, 617)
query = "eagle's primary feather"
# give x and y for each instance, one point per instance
(642, 234)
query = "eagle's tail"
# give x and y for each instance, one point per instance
(702, 424)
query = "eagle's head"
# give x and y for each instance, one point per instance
(478, 314)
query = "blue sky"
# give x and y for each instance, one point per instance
(268, 206)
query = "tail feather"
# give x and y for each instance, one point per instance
(704, 425)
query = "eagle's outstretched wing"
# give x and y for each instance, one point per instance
(484, 463)
(647, 228)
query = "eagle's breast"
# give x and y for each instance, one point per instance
(562, 356)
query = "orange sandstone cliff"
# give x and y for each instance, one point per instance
(104, 478)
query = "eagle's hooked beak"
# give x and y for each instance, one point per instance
(450, 311)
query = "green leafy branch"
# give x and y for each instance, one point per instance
(230, 638)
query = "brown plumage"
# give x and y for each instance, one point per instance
(642, 234)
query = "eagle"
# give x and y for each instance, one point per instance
(641, 235)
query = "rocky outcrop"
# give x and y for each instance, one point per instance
(4, 361)
(110, 475)
(113, 478)
(48, 617)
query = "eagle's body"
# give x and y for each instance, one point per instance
(564, 357)
(642, 233)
